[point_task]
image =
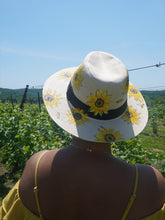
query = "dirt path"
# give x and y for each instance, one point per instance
(7, 181)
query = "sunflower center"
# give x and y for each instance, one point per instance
(127, 113)
(109, 137)
(76, 77)
(48, 98)
(77, 116)
(99, 103)
(134, 91)
(67, 75)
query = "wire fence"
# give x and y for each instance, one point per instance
(129, 70)
(38, 97)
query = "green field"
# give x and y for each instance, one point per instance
(25, 132)
(152, 141)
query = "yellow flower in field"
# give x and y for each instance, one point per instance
(99, 103)
(51, 98)
(77, 116)
(77, 77)
(65, 75)
(108, 135)
(133, 91)
(131, 116)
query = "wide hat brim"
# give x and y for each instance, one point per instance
(124, 127)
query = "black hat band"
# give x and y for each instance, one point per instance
(114, 113)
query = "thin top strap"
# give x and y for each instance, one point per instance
(36, 186)
(132, 198)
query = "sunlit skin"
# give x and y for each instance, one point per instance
(93, 146)
(86, 176)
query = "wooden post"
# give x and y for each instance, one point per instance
(24, 97)
(39, 103)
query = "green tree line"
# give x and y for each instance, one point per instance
(7, 95)
(16, 95)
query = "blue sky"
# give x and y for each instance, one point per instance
(40, 37)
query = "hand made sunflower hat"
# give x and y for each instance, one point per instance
(96, 101)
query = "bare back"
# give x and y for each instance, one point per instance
(74, 184)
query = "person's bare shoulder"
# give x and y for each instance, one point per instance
(152, 184)
(160, 183)
(29, 170)
(27, 181)
(150, 195)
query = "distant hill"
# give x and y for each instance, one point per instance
(17, 95)
(154, 98)
(32, 95)
(160, 93)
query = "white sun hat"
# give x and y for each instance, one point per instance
(96, 101)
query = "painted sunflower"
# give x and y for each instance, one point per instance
(99, 103)
(126, 84)
(51, 98)
(131, 116)
(77, 116)
(65, 75)
(108, 135)
(133, 91)
(77, 77)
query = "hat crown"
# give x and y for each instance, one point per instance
(96, 101)
(104, 67)
(103, 76)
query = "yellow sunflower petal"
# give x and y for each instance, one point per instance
(108, 135)
(99, 102)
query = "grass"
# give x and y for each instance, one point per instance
(152, 141)
(160, 128)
